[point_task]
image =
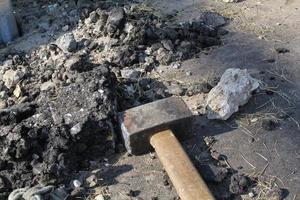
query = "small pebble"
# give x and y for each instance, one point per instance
(188, 73)
(251, 194)
(175, 65)
(152, 155)
(65, 28)
(77, 183)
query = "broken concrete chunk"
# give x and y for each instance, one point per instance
(233, 90)
(67, 42)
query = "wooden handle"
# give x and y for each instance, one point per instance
(184, 176)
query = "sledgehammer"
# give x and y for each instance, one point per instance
(153, 124)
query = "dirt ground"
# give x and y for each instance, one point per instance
(256, 30)
(259, 145)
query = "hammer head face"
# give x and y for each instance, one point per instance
(140, 123)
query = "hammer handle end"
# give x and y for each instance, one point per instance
(184, 176)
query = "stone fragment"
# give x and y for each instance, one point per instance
(67, 42)
(18, 91)
(76, 183)
(73, 63)
(233, 90)
(131, 74)
(12, 77)
(47, 85)
(99, 197)
(91, 181)
(239, 184)
(175, 90)
(3, 104)
(115, 20)
(213, 19)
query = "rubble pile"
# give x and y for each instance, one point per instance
(58, 101)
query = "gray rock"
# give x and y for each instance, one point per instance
(3, 95)
(115, 20)
(76, 129)
(175, 65)
(67, 42)
(175, 90)
(213, 19)
(73, 63)
(167, 44)
(65, 28)
(233, 90)
(76, 183)
(47, 85)
(91, 181)
(3, 104)
(131, 74)
(58, 194)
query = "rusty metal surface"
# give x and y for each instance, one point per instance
(140, 123)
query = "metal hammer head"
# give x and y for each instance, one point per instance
(140, 123)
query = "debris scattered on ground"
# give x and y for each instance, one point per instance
(58, 101)
(233, 90)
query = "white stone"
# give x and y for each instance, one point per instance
(233, 90)
(18, 91)
(2, 104)
(251, 194)
(11, 78)
(99, 197)
(76, 183)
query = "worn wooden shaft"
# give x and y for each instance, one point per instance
(184, 176)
